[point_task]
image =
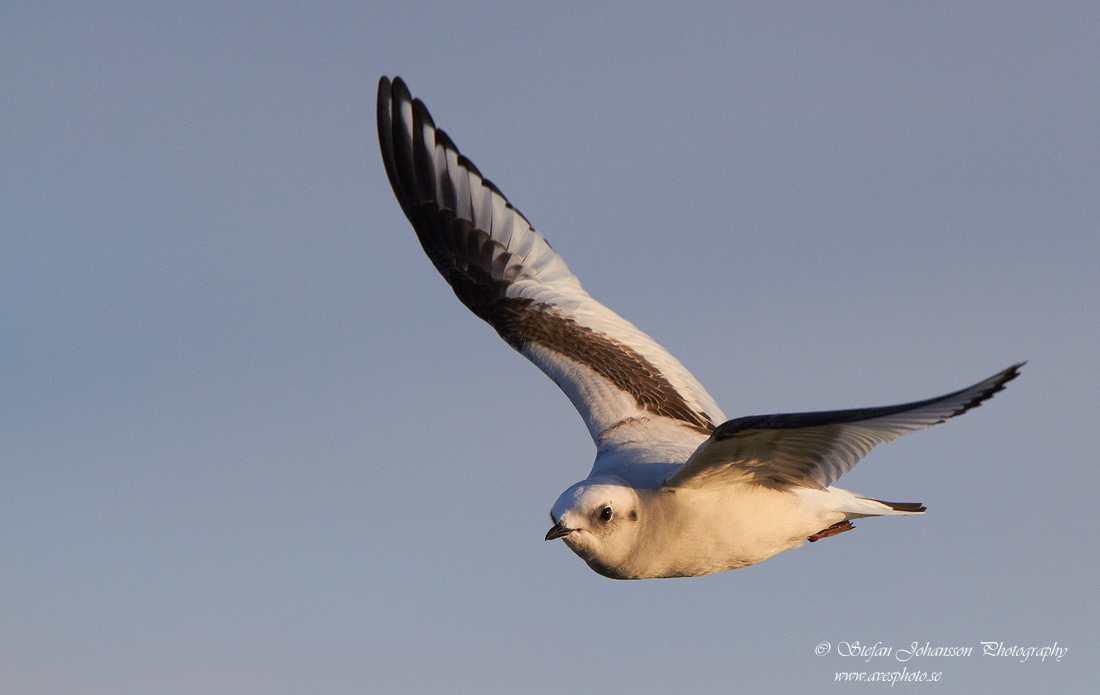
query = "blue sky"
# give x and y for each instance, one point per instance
(252, 442)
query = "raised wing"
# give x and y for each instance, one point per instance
(505, 272)
(814, 449)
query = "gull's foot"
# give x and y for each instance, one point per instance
(838, 527)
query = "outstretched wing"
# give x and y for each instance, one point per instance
(505, 272)
(814, 449)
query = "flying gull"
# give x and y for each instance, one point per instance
(676, 490)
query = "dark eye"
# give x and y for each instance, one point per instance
(605, 515)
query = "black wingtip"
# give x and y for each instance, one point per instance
(907, 507)
(1011, 373)
(396, 150)
(996, 384)
(397, 83)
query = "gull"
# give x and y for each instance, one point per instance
(676, 490)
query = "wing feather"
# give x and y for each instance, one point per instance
(507, 274)
(815, 449)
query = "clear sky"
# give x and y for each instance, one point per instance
(251, 442)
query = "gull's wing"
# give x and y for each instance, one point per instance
(505, 272)
(814, 449)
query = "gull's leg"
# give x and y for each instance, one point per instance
(838, 527)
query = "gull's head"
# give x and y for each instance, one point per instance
(599, 519)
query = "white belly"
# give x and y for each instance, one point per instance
(696, 532)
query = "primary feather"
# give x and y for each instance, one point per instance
(506, 273)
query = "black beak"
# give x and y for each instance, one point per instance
(558, 531)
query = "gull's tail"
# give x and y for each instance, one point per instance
(864, 506)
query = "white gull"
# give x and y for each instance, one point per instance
(676, 490)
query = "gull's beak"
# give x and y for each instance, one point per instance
(558, 531)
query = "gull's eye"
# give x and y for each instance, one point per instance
(605, 515)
